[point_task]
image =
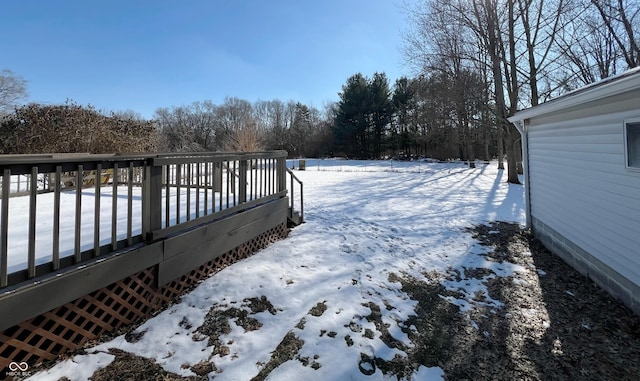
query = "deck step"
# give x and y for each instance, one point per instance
(294, 219)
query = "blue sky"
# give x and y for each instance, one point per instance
(141, 55)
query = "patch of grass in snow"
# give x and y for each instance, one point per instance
(301, 323)
(285, 351)
(318, 309)
(184, 323)
(432, 330)
(306, 361)
(216, 323)
(375, 317)
(203, 368)
(257, 305)
(368, 333)
(134, 336)
(127, 366)
(398, 366)
(437, 322)
(367, 364)
(348, 340)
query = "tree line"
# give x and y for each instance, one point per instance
(476, 63)
(234, 125)
(520, 53)
(436, 115)
(239, 125)
(415, 117)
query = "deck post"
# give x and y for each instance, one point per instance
(242, 182)
(282, 174)
(4, 227)
(151, 200)
(217, 177)
(33, 189)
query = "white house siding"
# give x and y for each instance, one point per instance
(579, 185)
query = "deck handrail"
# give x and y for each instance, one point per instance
(291, 193)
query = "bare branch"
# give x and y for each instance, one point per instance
(12, 89)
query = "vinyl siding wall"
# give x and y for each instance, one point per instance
(579, 185)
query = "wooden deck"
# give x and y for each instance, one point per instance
(89, 224)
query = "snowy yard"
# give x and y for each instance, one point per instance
(352, 294)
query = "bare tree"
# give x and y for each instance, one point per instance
(177, 135)
(541, 21)
(246, 139)
(202, 120)
(236, 127)
(513, 40)
(589, 50)
(622, 19)
(274, 118)
(12, 89)
(189, 128)
(500, 43)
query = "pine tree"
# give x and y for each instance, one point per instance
(380, 110)
(404, 103)
(351, 123)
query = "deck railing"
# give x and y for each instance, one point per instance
(68, 209)
(292, 195)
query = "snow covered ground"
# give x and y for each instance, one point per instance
(315, 290)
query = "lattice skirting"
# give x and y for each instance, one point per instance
(68, 327)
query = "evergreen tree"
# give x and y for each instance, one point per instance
(301, 130)
(351, 122)
(404, 104)
(363, 116)
(380, 110)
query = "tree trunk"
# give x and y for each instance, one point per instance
(486, 158)
(517, 148)
(469, 146)
(500, 148)
(472, 160)
(509, 138)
